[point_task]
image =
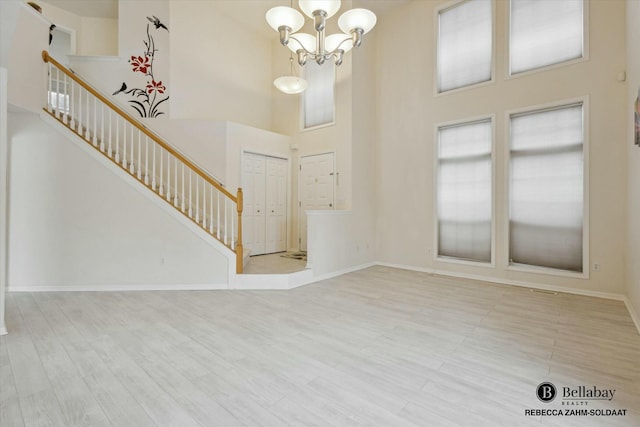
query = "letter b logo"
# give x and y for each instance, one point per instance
(546, 392)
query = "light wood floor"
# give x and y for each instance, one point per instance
(379, 347)
(274, 264)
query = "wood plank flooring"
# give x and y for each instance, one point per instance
(378, 347)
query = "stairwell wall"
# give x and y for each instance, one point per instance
(74, 224)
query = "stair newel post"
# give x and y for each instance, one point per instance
(49, 93)
(240, 202)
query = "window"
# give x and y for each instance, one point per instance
(465, 191)
(59, 96)
(546, 188)
(544, 33)
(319, 98)
(465, 40)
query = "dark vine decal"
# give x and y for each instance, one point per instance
(146, 101)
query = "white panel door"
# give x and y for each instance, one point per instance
(276, 192)
(264, 183)
(316, 188)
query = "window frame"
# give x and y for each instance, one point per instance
(450, 5)
(508, 75)
(436, 153)
(302, 108)
(526, 268)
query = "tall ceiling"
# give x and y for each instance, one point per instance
(249, 12)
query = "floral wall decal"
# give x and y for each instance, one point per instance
(148, 100)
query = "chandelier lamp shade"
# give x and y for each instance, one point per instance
(353, 23)
(290, 84)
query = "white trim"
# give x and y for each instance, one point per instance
(449, 5)
(333, 274)
(117, 288)
(585, 274)
(508, 282)
(585, 46)
(494, 209)
(633, 313)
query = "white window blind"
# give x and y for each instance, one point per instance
(546, 188)
(464, 191)
(465, 33)
(318, 99)
(545, 32)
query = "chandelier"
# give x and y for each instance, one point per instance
(320, 48)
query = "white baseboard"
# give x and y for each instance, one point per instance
(584, 292)
(343, 271)
(500, 281)
(118, 288)
(3, 331)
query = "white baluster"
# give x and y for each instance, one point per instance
(139, 155)
(218, 220)
(168, 177)
(72, 100)
(102, 119)
(161, 189)
(132, 166)
(233, 236)
(79, 129)
(110, 150)
(88, 124)
(124, 144)
(190, 196)
(175, 176)
(211, 211)
(117, 140)
(146, 160)
(95, 122)
(197, 200)
(226, 227)
(182, 201)
(153, 172)
(50, 91)
(65, 116)
(204, 204)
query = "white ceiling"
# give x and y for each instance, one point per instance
(251, 12)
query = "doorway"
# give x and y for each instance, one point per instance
(316, 188)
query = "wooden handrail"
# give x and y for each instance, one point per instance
(47, 58)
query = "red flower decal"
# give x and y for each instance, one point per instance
(140, 64)
(157, 86)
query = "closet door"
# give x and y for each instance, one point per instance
(276, 196)
(264, 183)
(259, 205)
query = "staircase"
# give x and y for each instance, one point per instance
(145, 156)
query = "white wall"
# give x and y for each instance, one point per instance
(99, 37)
(344, 239)
(4, 190)
(409, 112)
(27, 72)
(633, 176)
(336, 138)
(74, 223)
(93, 36)
(219, 68)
